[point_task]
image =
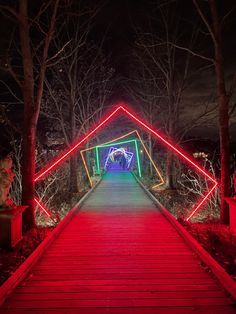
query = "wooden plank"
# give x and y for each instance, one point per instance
(127, 281)
(95, 271)
(25, 267)
(113, 258)
(157, 267)
(117, 276)
(47, 304)
(27, 288)
(116, 295)
(127, 310)
(224, 278)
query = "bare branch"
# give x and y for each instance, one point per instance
(8, 68)
(203, 17)
(58, 53)
(5, 8)
(227, 15)
(44, 58)
(233, 108)
(9, 122)
(195, 54)
(232, 87)
(11, 92)
(42, 9)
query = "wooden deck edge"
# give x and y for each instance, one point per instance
(8, 286)
(227, 282)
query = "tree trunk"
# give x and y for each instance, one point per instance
(225, 190)
(31, 106)
(28, 171)
(169, 171)
(169, 157)
(73, 174)
(73, 159)
(150, 153)
(30, 119)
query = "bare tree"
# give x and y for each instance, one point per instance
(31, 83)
(214, 25)
(191, 185)
(144, 90)
(160, 78)
(78, 92)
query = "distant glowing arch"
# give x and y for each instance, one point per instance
(116, 141)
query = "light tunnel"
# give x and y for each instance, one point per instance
(122, 109)
(104, 156)
(122, 155)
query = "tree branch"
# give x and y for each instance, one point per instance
(58, 53)
(8, 68)
(232, 87)
(10, 10)
(195, 54)
(44, 58)
(204, 19)
(11, 92)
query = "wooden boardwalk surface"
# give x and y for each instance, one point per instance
(119, 254)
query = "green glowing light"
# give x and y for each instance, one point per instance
(119, 143)
(116, 143)
(97, 160)
(138, 159)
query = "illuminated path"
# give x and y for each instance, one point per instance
(119, 254)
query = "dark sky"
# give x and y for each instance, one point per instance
(118, 19)
(115, 28)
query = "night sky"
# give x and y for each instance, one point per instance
(120, 20)
(115, 28)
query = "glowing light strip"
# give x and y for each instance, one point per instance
(42, 207)
(123, 142)
(114, 140)
(108, 156)
(130, 156)
(86, 169)
(112, 151)
(116, 143)
(149, 156)
(168, 143)
(152, 161)
(120, 137)
(194, 210)
(138, 159)
(93, 147)
(201, 202)
(144, 147)
(97, 161)
(121, 150)
(136, 149)
(71, 150)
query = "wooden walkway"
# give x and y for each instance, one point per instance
(119, 254)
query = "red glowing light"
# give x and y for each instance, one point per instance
(42, 207)
(121, 108)
(71, 150)
(203, 200)
(168, 144)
